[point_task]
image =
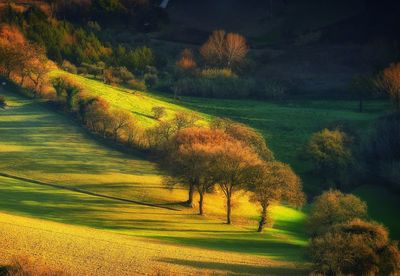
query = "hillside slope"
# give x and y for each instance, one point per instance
(85, 251)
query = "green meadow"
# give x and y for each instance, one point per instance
(37, 143)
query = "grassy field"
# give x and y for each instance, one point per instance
(79, 250)
(38, 144)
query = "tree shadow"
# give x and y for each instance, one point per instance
(233, 269)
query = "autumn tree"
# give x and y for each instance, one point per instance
(158, 112)
(119, 119)
(235, 167)
(224, 49)
(186, 61)
(66, 88)
(275, 182)
(183, 119)
(356, 247)
(330, 154)
(11, 56)
(333, 207)
(245, 134)
(389, 82)
(131, 130)
(190, 160)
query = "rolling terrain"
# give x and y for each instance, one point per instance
(55, 171)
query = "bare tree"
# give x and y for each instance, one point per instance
(119, 119)
(224, 49)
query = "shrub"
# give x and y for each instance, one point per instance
(330, 154)
(158, 112)
(334, 207)
(3, 102)
(140, 58)
(357, 248)
(186, 61)
(69, 67)
(137, 85)
(216, 72)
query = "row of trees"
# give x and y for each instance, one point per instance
(231, 157)
(344, 241)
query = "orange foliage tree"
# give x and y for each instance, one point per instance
(224, 49)
(389, 82)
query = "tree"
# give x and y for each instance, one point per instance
(389, 82)
(333, 207)
(186, 61)
(246, 135)
(119, 119)
(235, 167)
(184, 119)
(158, 112)
(356, 247)
(275, 182)
(224, 49)
(33, 65)
(190, 160)
(362, 87)
(131, 130)
(330, 154)
(67, 88)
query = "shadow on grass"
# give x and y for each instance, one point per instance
(238, 268)
(247, 243)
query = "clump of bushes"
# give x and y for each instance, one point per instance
(345, 243)
(69, 67)
(158, 112)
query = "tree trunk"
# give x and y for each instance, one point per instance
(201, 201)
(190, 196)
(228, 209)
(263, 219)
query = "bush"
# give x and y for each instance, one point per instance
(158, 112)
(69, 67)
(330, 154)
(357, 248)
(140, 58)
(3, 102)
(216, 72)
(334, 207)
(137, 85)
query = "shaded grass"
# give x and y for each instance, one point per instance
(383, 206)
